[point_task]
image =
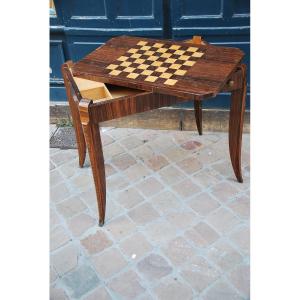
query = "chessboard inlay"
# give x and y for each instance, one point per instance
(155, 62)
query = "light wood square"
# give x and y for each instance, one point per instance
(149, 53)
(151, 78)
(162, 50)
(133, 75)
(115, 72)
(125, 64)
(170, 60)
(139, 61)
(147, 72)
(143, 67)
(145, 48)
(180, 72)
(153, 58)
(179, 52)
(175, 66)
(136, 55)
(192, 49)
(166, 55)
(129, 70)
(184, 57)
(189, 63)
(161, 69)
(142, 43)
(170, 81)
(157, 45)
(122, 58)
(165, 75)
(157, 63)
(133, 50)
(197, 54)
(175, 47)
(112, 67)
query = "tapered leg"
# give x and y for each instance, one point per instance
(93, 140)
(236, 121)
(198, 115)
(81, 146)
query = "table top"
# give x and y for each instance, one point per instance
(162, 66)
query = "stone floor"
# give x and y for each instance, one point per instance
(177, 222)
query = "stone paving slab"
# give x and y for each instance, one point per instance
(177, 224)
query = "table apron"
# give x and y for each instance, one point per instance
(101, 112)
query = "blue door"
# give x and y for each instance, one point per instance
(78, 27)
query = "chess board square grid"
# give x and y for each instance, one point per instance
(155, 62)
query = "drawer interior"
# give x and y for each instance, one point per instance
(98, 91)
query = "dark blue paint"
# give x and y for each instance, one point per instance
(79, 27)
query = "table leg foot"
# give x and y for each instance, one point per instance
(101, 223)
(198, 115)
(236, 121)
(94, 145)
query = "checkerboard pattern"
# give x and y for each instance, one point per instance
(155, 62)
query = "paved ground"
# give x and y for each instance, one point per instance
(177, 224)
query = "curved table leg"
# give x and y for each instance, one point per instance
(93, 140)
(81, 146)
(198, 115)
(236, 121)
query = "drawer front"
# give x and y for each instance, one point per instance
(128, 105)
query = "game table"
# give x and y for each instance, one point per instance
(137, 74)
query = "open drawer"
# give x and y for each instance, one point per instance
(98, 91)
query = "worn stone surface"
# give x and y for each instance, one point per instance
(171, 175)
(135, 246)
(127, 285)
(97, 242)
(98, 294)
(222, 290)
(154, 267)
(175, 230)
(143, 214)
(179, 251)
(57, 294)
(81, 281)
(166, 202)
(120, 227)
(129, 198)
(58, 237)
(186, 188)
(224, 255)
(202, 234)
(173, 289)
(223, 220)
(240, 278)
(65, 259)
(80, 223)
(71, 207)
(199, 273)
(203, 204)
(109, 262)
(150, 186)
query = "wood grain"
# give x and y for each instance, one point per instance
(236, 120)
(73, 104)
(93, 139)
(219, 69)
(205, 79)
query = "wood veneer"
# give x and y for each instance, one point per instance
(220, 69)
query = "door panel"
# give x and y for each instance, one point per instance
(78, 27)
(220, 22)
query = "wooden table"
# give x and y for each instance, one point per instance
(141, 74)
